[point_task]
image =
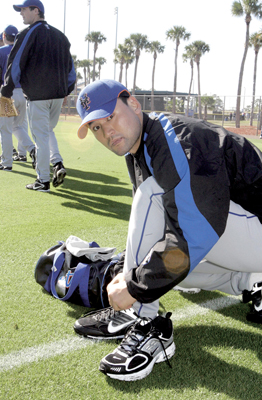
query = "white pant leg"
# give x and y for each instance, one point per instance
(20, 124)
(55, 156)
(6, 125)
(146, 228)
(55, 111)
(235, 262)
(39, 121)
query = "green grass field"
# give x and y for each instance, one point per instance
(218, 353)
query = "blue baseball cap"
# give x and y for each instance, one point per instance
(11, 30)
(98, 100)
(30, 3)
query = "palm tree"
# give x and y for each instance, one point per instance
(96, 38)
(208, 102)
(128, 60)
(86, 64)
(120, 59)
(100, 61)
(155, 48)
(189, 55)
(255, 40)
(139, 42)
(199, 48)
(76, 65)
(176, 34)
(129, 56)
(247, 8)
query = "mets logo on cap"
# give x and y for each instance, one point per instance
(85, 101)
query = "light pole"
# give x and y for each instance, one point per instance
(116, 13)
(244, 99)
(89, 4)
(64, 14)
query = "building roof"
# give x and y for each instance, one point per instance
(161, 93)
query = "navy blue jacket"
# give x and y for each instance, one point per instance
(41, 61)
(200, 167)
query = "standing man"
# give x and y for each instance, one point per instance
(41, 61)
(196, 217)
(15, 154)
(18, 125)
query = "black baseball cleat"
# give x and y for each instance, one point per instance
(33, 157)
(105, 324)
(59, 174)
(7, 169)
(20, 158)
(255, 296)
(146, 343)
(39, 186)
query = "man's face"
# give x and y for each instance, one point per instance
(29, 16)
(121, 131)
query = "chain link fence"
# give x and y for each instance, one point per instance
(221, 111)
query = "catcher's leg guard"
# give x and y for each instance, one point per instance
(255, 296)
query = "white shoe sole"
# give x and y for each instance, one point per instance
(187, 290)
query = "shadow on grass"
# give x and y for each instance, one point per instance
(195, 366)
(91, 192)
(236, 311)
(212, 358)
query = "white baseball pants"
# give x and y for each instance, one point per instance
(43, 116)
(19, 126)
(232, 265)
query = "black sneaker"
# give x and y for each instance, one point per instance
(105, 323)
(7, 169)
(33, 156)
(254, 295)
(14, 152)
(20, 158)
(142, 347)
(39, 186)
(59, 174)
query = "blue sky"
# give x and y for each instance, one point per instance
(209, 21)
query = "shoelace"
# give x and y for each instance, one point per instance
(109, 313)
(166, 358)
(137, 336)
(106, 314)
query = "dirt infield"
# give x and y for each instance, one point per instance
(249, 131)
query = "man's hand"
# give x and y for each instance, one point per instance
(118, 295)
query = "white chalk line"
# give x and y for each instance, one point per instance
(73, 343)
(204, 308)
(42, 352)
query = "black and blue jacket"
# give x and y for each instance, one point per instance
(41, 62)
(200, 167)
(4, 53)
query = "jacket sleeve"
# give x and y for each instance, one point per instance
(165, 266)
(13, 72)
(196, 202)
(71, 76)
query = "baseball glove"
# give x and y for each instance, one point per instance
(7, 107)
